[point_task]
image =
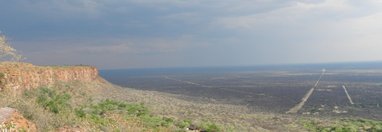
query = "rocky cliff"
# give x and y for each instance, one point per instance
(16, 76)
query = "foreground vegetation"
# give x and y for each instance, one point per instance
(88, 107)
(344, 125)
(65, 106)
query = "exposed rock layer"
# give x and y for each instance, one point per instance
(21, 76)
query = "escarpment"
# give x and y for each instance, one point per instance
(16, 76)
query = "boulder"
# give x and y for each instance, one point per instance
(11, 120)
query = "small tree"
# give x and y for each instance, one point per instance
(7, 52)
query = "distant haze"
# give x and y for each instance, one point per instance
(187, 33)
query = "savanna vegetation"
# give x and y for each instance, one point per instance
(65, 106)
(100, 106)
(344, 125)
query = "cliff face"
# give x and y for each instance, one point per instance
(21, 76)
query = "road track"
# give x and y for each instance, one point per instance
(347, 94)
(298, 106)
(206, 86)
(182, 81)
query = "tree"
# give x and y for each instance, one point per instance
(7, 52)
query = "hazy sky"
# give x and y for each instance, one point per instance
(177, 33)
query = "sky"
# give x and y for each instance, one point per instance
(114, 34)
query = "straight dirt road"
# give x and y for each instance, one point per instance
(298, 106)
(347, 94)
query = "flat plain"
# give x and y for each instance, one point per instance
(273, 90)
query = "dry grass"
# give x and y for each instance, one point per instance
(201, 112)
(231, 117)
(81, 94)
(47, 108)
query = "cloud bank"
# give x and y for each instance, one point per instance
(168, 33)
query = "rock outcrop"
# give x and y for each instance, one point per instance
(12, 121)
(16, 76)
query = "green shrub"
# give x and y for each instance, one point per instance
(2, 75)
(80, 112)
(58, 101)
(151, 121)
(210, 127)
(156, 121)
(96, 112)
(183, 123)
(105, 106)
(52, 101)
(167, 121)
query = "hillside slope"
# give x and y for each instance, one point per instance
(64, 98)
(75, 98)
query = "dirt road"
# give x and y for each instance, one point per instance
(347, 94)
(298, 106)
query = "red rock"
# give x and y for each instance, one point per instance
(16, 76)
(11, 120)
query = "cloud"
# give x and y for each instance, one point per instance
(297, 13)
(110, 53)
(57, 7)
(181, 32)
(109, 45)
(113, 49)
(135, 46)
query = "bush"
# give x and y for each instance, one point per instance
(52, 101)
(2, 75)
(80, 112)
(105, 106)
(65, 110)
(210, 127)
(96, 114)
(183, 123)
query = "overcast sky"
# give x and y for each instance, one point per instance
(186, 33)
